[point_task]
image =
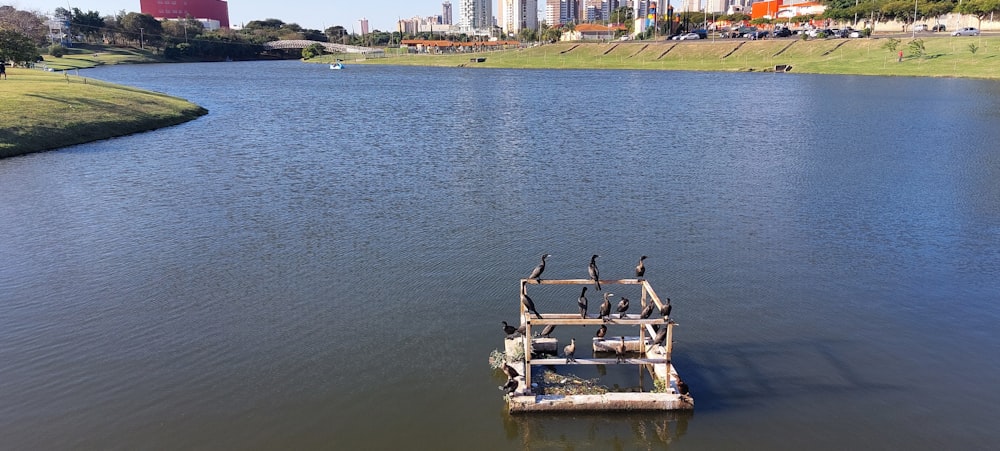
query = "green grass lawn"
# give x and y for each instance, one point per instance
(47, 110)
(92, 56)
(944, 56)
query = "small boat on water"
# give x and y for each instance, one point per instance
(337, 65)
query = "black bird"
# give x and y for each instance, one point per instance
(528, 303)
(508, 329)
(622, 307)
(620, 352)
(547, 330)
(582, 302)
(665, 310)
(605, 307)
(510, 386)
(594, 274)
(661, 337)
(537, 272)
(682, 387)
(647, 310)
(603, 330)
(640, 269)
(510, 371)
(569, 350)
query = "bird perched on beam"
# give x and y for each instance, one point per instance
(647, 311)
(622, 307)
(510, 386)
(547, 330)
(569, 350)
(528, 303)
(661, 337)
(582, 302)
(595, 275)
(605, 307)
(601, 332)
(620, 352)
(508, 329)
(665, 310)
(640, 269)
(537, 272)
(510, 371)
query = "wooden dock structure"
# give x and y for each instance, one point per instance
(654, 358)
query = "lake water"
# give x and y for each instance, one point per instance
(324, 260)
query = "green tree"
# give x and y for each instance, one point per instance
(143, 29)
(979, 8)
(312, 51)
(88, 24)
(23, 22)
(17, 47)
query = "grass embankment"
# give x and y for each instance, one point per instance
(47, 110)
(87, 56)
(944, 56)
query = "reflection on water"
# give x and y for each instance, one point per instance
(597, 431)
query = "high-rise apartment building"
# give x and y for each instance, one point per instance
(364, 26)
(475, 15)
(516, 15)
(446, 17)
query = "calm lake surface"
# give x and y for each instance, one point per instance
(323, 261)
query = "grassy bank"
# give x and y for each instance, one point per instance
(46, 110)
(83, 57)
(944, 56)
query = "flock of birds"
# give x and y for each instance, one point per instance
(604, 313)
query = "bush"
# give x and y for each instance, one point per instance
(57, 50)
(312, 51)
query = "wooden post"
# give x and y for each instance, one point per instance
(526, 320)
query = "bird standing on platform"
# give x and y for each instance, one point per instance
(620, 351)
(605, 307)
(665, 310)
(537, 272)
(647, 311)
(528, 303)
(622, 307)
(547, 331)
(569, 350)
(508, 329)
(661, 337)
(582, 302)
(595, 275)
(640, 269)
(510, 386)
(601, 332)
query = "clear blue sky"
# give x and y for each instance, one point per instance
(315, 14)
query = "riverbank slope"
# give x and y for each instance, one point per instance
(928, 56)
(46, 110)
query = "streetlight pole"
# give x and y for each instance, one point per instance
(140, 39)
(913, 30)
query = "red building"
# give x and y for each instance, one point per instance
(182, 9)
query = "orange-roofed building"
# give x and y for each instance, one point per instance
(784, 9)
(592, 32)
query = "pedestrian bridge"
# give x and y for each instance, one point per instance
(329, 46)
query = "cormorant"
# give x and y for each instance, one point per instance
(661, 337)
(605, 307)
(594, 274)
(647, 310)
(569, 350)
(547, 330)
(582, 302)
(620, 351)
(622, 307)
(682, 387)
(510, 386)
(601, 331)
(640, 269)
(537, 272)
(508, 329)
(510, 371)
(665, 310)
(528, 303)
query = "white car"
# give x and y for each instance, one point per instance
(967, 31)
(688, 36)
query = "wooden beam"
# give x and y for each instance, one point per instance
(596, 361)
(581, 281)
(573, 319)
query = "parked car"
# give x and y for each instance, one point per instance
(782, 32)
(856, 34)
(966, 31)
(938, 27)
(688, 37)
(921, 27)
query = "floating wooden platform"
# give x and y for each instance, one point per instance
(640, 351)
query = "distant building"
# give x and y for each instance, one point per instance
(716, 6)
(364, 26)
(517, 15)
(209, 10)
(475, 16)
(446, 14)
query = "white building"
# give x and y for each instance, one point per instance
(475, 16)
(517, 15)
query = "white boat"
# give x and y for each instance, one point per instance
(338, 65)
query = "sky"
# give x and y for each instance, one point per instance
(312, 14)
